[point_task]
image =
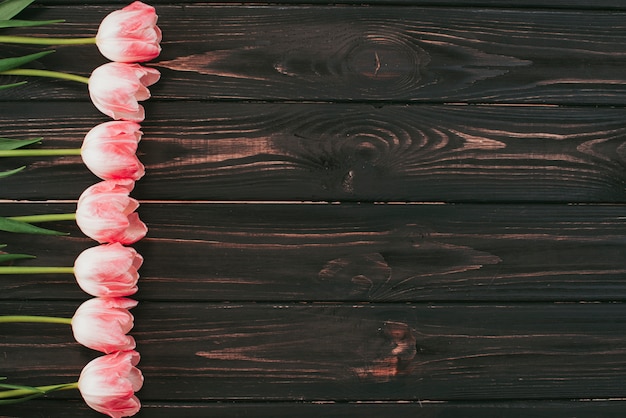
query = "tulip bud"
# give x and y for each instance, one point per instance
(107, 214)
(108, 270)
(116, 88)
(109, 151)
(108, 384)
(130, 34)
(102, 324)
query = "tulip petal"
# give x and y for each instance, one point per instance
(109, 151)
(130, 35)
(115, 89)
(108, 384)
(108, 270)
(105, 213)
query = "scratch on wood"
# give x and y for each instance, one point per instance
(377, 60)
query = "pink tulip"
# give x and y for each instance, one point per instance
(106, 213)
(108, 270)
(108, 384)
(102, 324)
(109, 150)
(116, 88)
(130, 34)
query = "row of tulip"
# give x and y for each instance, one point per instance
(106, 213)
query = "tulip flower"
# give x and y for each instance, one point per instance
(130, 34)
(107, 384)
(109, 151)
(115, 88)
(107, 214)
(108, 270)
(101, 324)
(127, 35)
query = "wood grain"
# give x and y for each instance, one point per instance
(347, 152)
(410, 54)
(540, 4)
(492, 286)
(338, 352)
(316, 252)
(402, 409)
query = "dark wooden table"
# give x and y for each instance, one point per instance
(404, 208)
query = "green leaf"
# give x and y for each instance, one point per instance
(10, 257)
(8, 173)
(10, 63)
(8, 143)
(8, 86)
(10, 225)
(10, 8)
(14, 23)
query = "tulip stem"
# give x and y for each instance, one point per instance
(35, 319)
(46, 41)
(35, 270)
(18, 393)
(46, 73)
(39, 152)
(53, 217)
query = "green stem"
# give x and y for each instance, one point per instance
(46, 73)
(35, 319)
(35, 270)
(16, 393)
(39, 152)
(33, 219)
(46, 41)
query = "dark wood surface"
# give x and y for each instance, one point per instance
(383, 53)
(343, 152)
(411, 209)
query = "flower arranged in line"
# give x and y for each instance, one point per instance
(109, 150)
(108, 384)
(127, 35)
(108, 270)
(106, 213)
(130, 34)
(117, 88)
(103, 324)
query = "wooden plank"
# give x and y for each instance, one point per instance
(348, 152)
(338, 352)
(541, 4)
(404, 409)
(415, 54)
(317, 252)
